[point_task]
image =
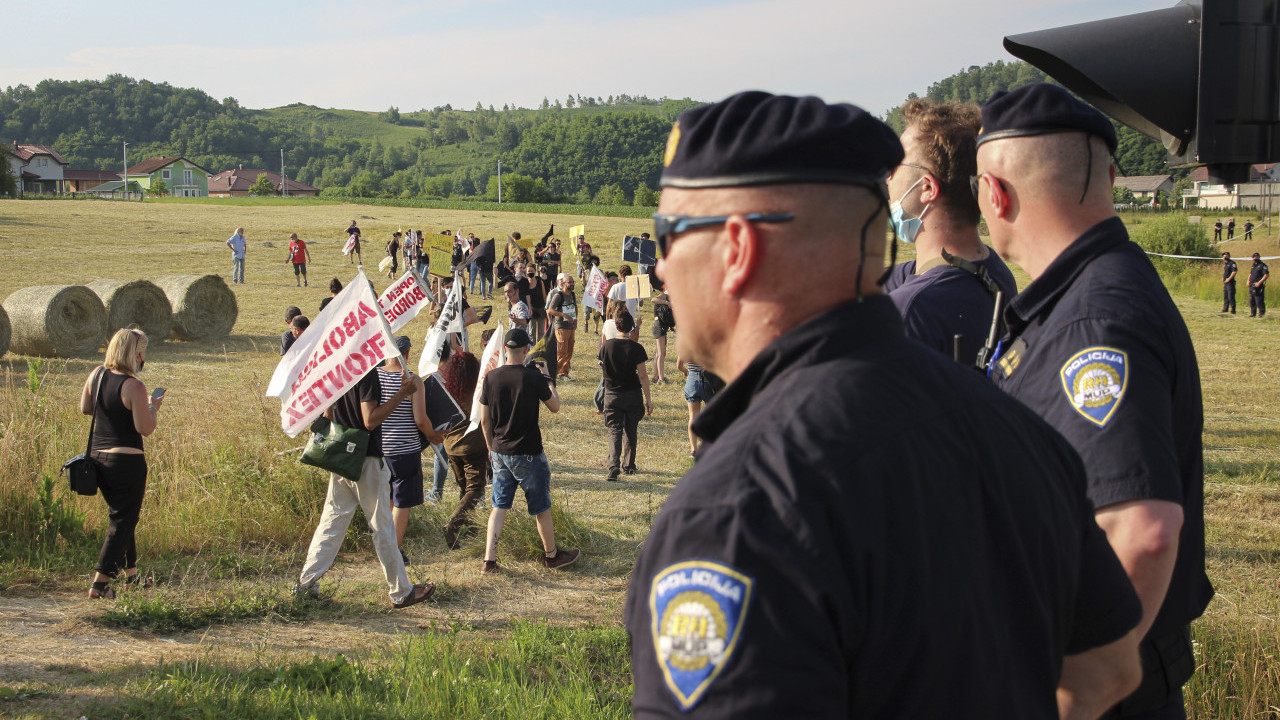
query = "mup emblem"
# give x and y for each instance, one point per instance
(697, 609)
(1094, 380)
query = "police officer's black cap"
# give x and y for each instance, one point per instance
(517, 338)
(1041, 109)
(1257, 256)
(755, 138)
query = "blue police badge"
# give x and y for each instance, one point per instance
(1094, 380)
(697, 609)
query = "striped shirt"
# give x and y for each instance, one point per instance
(695, 370)
(399, 431)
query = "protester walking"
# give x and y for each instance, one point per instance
(563, 306)
(353, 240)
(237, 244)
(626, 394)
(468, 454)
(123, 413)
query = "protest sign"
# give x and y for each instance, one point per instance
(596, 291)
(450, 320)
(347, 340)
(574, 233)
(639, 250)
(439, 256)
(639, 288)
(403, 300)
(494, 354)
(442, 409)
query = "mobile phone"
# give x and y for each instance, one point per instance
(157, 393)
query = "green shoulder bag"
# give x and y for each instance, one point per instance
(336, 448)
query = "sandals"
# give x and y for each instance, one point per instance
(132, 581)
(101, 591)
(417, 595)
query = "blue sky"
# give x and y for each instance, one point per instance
(372, 54)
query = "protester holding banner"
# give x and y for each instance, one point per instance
(352, 247)
(467, 452)
(562, 306)
(619, 292)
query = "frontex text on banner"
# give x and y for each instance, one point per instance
(348, 340)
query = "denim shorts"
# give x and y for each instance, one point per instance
(530, 472)
(697, 389)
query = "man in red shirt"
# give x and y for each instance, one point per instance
(299, 255)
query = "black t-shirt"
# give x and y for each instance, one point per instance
(828, 556)
(552, 258)
(346, 411)
(287, 338)
(353, 230)
(567, 303)
(325, 302)
(513, 394)
(619, 359)
(393, 247)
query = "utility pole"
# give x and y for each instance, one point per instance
(499, 182)
(284, 187)
(126, 170)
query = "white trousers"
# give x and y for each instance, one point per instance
(373, 494)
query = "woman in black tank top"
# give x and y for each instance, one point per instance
(123, 414)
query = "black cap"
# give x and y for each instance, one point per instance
(754, 138)
(1041, 109)
(1256, 256)
(403, 344)
(517, 338)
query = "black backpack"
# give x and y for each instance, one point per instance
(662, 313)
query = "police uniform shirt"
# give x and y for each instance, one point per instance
(870, 531)
(1258, 271)
(946, 301)
(1228, 267)
(1096, 347)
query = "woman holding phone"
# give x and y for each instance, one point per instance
(124, 413)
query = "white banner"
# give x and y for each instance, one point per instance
(596, 291)
(347, 340)
(495, 354)
(450, 320)
(404, 300)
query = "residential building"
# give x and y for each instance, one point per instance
(39, 167)
(182, 177)
(1259, 193)
(1145, 187)
(236, 183)
(78, 181)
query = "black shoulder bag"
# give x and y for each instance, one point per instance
(82, 470)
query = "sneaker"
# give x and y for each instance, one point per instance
(490, 566)
(306, 591)
(430, 498)
(416, 595)
(613, 475)
(404, 557)
(630, 471)
(561, 559)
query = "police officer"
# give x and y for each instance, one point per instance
(1228, 283)
(870, 530)
(947, 293)
(1258, 275)
(1117, 378)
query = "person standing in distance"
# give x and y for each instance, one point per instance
(353, 235)
(941, 299)
(1097, 348)
(1258, 275)
(1228, 283)
(509, 417)
(562, 304)
(818, 560)
(237, 244)
(626, 394)
(299, 255)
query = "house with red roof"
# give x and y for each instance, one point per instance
(78, 181)
(181, 177)
(236, 183)
(39, 168)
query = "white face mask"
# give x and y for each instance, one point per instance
(907, 229)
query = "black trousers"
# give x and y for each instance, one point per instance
(1258, 301)
(1229, 297)
(622, 414)
(122, 479)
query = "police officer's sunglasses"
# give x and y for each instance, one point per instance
(975, 180)
(666, 227)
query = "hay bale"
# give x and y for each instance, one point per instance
(56, 320)
(135, 304)
(203, 306)
(4, 332)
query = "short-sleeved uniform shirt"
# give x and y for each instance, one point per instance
(513, 394)
(1097, 348)
(945, 301)
(870, 530)
(1258, 271)
(619, 359)
(297, 252)
(346, 411)
(567, 303)
(1228, 268)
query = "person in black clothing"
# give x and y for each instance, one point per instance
(1231, 229)
(354, 255)
(869, 530)
(288, 336)
(335, 287)
(1228, 283)
(1248, 230)
(1118, 378)
(123, 414)
(393, 252)
(1217, 230)
(626, 394)
(1258, 275)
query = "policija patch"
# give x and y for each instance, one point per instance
(697, 609)
(1094, 380)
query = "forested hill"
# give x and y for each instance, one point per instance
(1136, 153)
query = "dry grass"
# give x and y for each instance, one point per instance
(224, 506)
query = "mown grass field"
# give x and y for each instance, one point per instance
(229, 512)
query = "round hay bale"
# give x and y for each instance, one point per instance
(4, 332)
(139, 303)
(203, 306)
(56, 320)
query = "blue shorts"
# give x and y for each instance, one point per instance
(530, 472)
(406, 480)
(697, 389)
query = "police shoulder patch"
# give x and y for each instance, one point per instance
(1095, 380)
(697, 609)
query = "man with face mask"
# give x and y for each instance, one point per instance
(940, 299)
(1258, 275)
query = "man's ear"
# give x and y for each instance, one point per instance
(741, 253)
(930, 189)
(1001, 203)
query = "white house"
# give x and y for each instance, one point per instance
(39, 167)
(1259, 193)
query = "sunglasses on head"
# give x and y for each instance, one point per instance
(666, 227)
